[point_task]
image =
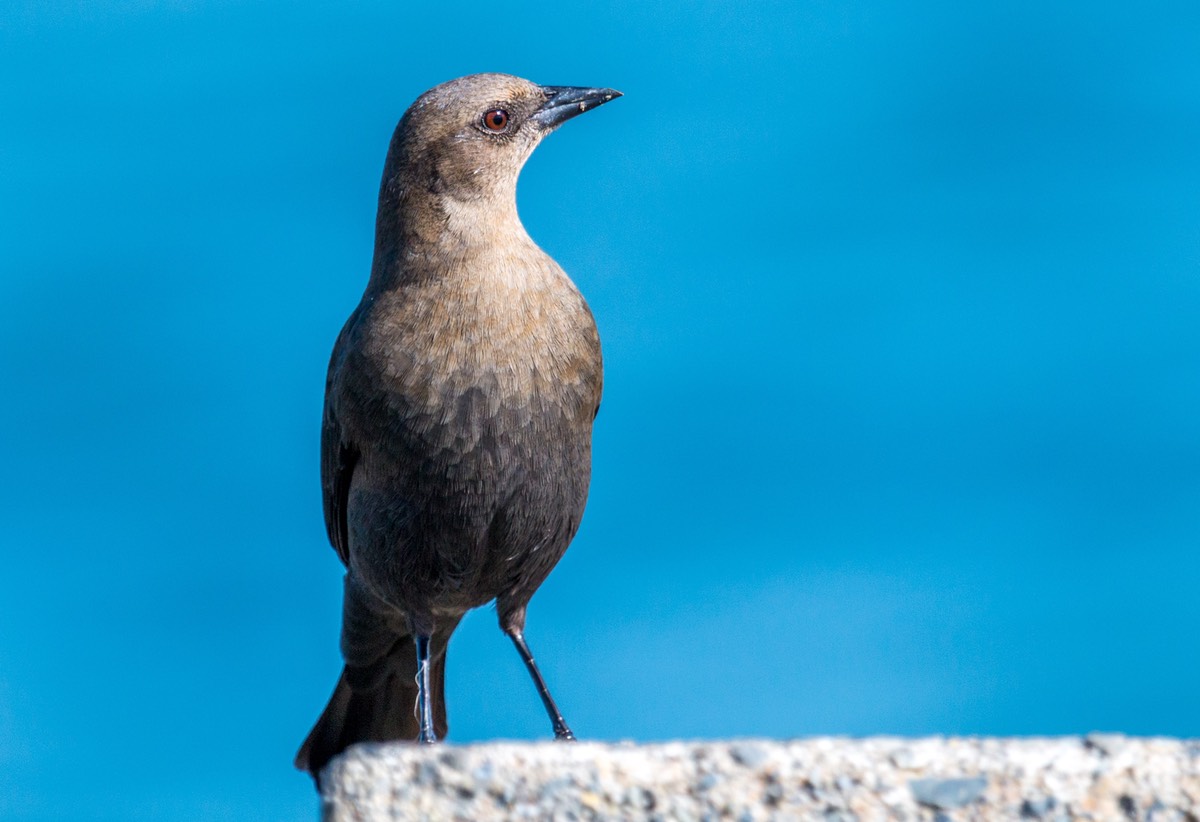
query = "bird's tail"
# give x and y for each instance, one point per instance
(374, 705)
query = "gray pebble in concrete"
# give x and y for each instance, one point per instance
(748, 753)
(948, 794)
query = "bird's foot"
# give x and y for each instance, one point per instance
(564, 734)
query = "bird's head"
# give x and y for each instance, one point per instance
(467, 139)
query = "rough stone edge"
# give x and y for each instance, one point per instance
(1098, 777)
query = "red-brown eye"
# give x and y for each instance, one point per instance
(496, 120)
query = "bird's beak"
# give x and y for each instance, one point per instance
(564, 102)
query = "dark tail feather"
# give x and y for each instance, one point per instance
(376, 705)
(357, 716)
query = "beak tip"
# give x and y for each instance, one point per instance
(565, 102)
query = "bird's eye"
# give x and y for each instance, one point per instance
(496, 120)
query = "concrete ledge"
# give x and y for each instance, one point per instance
(1099, 777)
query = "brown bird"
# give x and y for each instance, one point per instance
(456, 446)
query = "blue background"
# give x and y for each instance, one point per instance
(901, 313)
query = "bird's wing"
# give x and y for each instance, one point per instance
(338, 452)
(337, 468)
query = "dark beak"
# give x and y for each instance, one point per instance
(564, 102)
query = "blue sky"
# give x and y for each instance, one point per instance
(901, 315)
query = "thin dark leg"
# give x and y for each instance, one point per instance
(424, 700)
(561, 731)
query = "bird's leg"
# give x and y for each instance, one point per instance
(561, 731)
(424, 698)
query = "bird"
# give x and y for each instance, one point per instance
(459, 404)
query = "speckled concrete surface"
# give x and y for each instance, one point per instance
(1099, 777)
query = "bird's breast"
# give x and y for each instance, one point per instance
(485, 358)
